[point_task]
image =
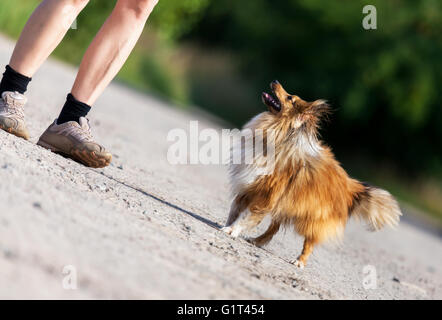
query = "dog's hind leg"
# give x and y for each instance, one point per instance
(306, 251)
(266, 236)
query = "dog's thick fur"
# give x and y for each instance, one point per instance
(308, 189)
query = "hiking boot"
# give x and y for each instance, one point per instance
(74, 140)
(12, 117)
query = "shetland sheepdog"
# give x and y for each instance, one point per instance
(307, 190)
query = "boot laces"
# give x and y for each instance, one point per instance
(84, 132)
(11, 108)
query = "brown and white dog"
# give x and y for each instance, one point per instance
(307, 190)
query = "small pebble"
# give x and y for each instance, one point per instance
(8, 254)
(37, 205)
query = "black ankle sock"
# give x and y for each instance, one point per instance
(14, 81)
(72, 110)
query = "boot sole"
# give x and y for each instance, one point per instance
(20, 134)
(88, 159)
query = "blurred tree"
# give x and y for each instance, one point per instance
(383, 83)
(175, 18)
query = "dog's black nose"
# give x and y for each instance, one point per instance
(275, 82)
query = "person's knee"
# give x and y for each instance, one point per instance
(139, 8)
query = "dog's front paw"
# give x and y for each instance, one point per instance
(234, 231)
(298, 263)
(227, 230)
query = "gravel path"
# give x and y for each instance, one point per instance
(143, 228)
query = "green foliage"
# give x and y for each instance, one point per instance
(174, 18)
(14, 14)
(384, 83)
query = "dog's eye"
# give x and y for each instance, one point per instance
(290, 98)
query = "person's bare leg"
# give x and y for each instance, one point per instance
(110, 48)
(43, 32)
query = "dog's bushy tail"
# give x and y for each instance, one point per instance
(377, 208)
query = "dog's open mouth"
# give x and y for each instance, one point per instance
(271, 101)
